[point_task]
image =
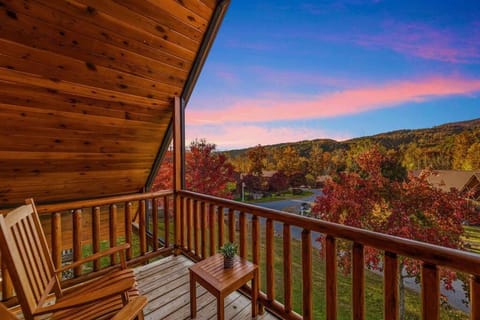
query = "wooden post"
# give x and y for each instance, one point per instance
(331, 277)
(203, 229)
(57, 239)
(189, 225)
(270, 262)
(307, 274)
(231, 225)
(155, 224)
(142, 226)
(96, 235)
(221, 227)
(287, 268)
(475, 297)
(113, 230)
(178, 165)
(166, 218)
(211, 227)
(196, 227)
(358, 282)
(243, 235)
(128, 228)
(77, 240)
(430, 292)
(390, 276)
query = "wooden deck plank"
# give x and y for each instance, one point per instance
(166, 284)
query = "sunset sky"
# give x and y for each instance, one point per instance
(285, 71)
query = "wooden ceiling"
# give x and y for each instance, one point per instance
(86, 91)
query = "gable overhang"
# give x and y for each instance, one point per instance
(87, 92)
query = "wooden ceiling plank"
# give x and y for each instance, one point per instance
(14, 76)
(47, 64)
(142, 22)
(181, 12)
(26, 167)
(33, 32)
(163, 17)
(125, 134)
(68, 120)
(101, 106)
(85, 20)
(12, 155)
(13, 95)
(73, 176)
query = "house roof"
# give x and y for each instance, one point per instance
(87, 88)
(448, 179)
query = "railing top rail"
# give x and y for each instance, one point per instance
(58, 207)
(429, 253)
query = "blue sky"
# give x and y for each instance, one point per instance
(284, 71)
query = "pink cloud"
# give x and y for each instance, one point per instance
(421, 40)
(351, 101)
(228, 137)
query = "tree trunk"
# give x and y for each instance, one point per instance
(401, 297)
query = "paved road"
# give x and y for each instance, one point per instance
(455, 297)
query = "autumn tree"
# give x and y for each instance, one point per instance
(316, 161)
(206, 171)
(370, 198)
(278, 182)
(256, 157)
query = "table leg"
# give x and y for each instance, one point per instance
(254, 293)
(193, 297)
(220, 308)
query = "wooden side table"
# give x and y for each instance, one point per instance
(220, 282)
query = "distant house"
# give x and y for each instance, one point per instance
(467, 182)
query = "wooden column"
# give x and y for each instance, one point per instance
(390, 276)
(178, 164)
(113, 230)
(77, 241)
(475, 297)
(358, 282)
(287, 268)
(96, 235)
(155, 224)
(331, 277)
(57, 239)
(307, 274)
(430, 292)
(270, 260)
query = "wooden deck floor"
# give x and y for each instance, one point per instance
(166, 284)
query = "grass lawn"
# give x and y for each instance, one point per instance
(472, 237)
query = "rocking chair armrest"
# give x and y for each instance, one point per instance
(120, 249)
(131, 309)
(5, 314)
(71, 301)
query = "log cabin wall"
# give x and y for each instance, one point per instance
(87, 89)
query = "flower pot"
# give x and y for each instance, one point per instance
(228, 262)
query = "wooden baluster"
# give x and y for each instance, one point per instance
(196, 227)
(358, 282)
(203, 229)
(211, 227)
(128, 228)
(256, 251)
(96, 235)
(166, 219)
(270, 263)
(287, 268)
(243, 235)
(475, 297)
(231, 225)
(307, 274)
(57, 239)
(142, 226)
(331, 277)
(155, 224)
(182, 222)
(77, 239)
(189, 224)
(177, 224)
(112, 220)
(221, 227)
(430, 292)
(390, 276)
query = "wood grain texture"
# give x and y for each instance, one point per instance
(88, 87)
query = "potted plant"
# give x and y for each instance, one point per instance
(228, 250)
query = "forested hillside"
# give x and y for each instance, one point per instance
(448, 146)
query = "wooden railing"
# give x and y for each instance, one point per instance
(83, 227)
(206, 222)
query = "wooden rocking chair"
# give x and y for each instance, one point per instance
(24, 248)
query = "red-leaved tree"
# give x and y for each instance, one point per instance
(372, 198)
(206, 171)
